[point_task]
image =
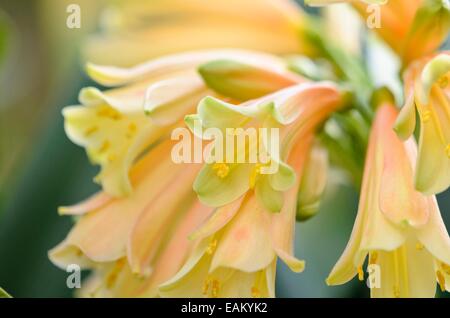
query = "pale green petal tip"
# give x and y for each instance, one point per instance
(271, 199)
(405, 123)
(432, 72)
(284, 179)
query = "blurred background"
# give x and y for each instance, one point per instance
(41, 71)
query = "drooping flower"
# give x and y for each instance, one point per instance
(239, 244)
(412, 28)
(427, 89)
(139, 30)
(400, 228)
(238, 247)
(134, 234)
(293, 112)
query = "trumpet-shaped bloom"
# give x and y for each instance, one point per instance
(295, 111)
(238, 246)
(413, 28)
(400, 228)
(427, 89)
(138, 30)
(114, 126)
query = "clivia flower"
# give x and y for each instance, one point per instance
(427, 89)
(129, 232)
(399, 228)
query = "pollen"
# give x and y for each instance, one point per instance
(131, 131)
(426, 116)
(90, 131)
(255, 292)
(419, 246)
(221, 169)
(211, 247)
(112, 158)
(360, 273)
(108, 112)
(205, 287)
(441, 280)
(445, 268)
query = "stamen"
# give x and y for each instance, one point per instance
(360, 273)
(215, 288)
(443, 82)
(221, 169)
(445, 268)
(90, 131)
(111, 158)
(426, 116)
(396, 291)
(441, 280)
(373, 258)
(211, 247)
(112, 277)
(110, 113)
(419, 246)
(254, 175)
(255, 292)
(205, 287)
(104, 146)
(132, 128)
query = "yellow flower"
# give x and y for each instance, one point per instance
(412, 28)
(427, 89)
(295, 111)
(138, 30)
(238, 247)
(400, 228)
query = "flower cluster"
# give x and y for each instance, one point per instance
(160, 228)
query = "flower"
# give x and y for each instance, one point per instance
(238, 247)
(296, 111)
(239, 244)
(400, 228)
(412, 28)
(139, 30)
(134, 233)
(427, 89)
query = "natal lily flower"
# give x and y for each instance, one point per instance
(413, 28)
(138, 30)
(427, 89)
(400, 228)
(114, 125)
(238, 247)
(239, 244)
(129, 240)
(292, 111)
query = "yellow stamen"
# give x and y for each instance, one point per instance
(445, 268)
(221, 169)
(205, 287)
(211, 247)
(443, 82)
(132, 128)
(215, 288)
(360, 273)
(419, 246)
(110, 113)
(112, 157)
(104, 146)
(255, 292)
(426, 116)
(90, 131)
(112, 277)
(254, 175)
(373, 258)
(441, 280)
(396, 291)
